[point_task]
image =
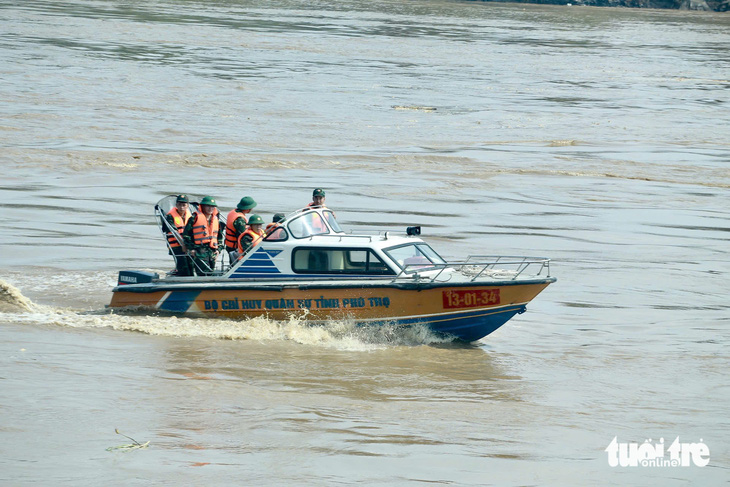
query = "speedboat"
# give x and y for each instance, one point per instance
(310, 268)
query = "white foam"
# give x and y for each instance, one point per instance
(12, 299)
(342, 335)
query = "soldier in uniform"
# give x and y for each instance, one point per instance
(203, 236)
(177, 218)
(253, 234)
(236, 222)
(275, 229)
(317, 199)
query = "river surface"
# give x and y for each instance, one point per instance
(597, 137)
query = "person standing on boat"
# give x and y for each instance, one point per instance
(317, 202)
(203, 236)
(177, 218)
(252, 236)
(317, 199)
(236, 223)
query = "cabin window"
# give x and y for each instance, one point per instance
(277, 235)
(330, 217)
(308, 224)
(412, 257)
(312, 260)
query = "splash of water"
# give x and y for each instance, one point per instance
(11, 299)
(342, 335)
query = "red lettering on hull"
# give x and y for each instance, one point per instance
(475, 298)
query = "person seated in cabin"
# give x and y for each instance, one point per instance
(203, 236)
(177, 218)
(275, 230)
(236, 223)
(252, 236)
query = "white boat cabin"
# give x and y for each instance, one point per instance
(310, 243)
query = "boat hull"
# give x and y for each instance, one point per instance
(466, 311)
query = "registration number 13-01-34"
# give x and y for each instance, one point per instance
(470, 298)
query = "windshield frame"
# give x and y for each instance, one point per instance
(331, 219)
(435, 261)
(305, 221)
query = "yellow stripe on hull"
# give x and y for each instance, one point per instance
(330, 303)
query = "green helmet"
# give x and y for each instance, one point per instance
(246, 203)
(279, 217)
(255, 220)
(208, 200)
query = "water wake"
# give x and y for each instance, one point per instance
(343, 335)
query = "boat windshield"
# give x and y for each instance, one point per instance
(307, 224)
(330, 217)
(414, 256)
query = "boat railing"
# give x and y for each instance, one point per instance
(351, 236)
(505, 267)
(161, 209)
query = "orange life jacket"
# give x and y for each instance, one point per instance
(257, 237)
(231, 232)
(275, 231)
(180, 222)
(204, 232)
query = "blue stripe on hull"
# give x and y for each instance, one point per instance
(259, 272)
(179, 301)
(245, 272)
(257, 264)
(470, 326)
(254, 262)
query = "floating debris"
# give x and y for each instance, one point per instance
(414, 107)
(134, 446)
(562, 143)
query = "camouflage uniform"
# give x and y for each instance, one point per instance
(183, 264)
(240, 225)
(205, 256)
(247, 239)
